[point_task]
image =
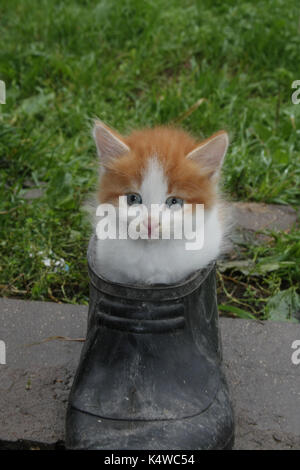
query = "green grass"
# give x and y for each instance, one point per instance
(136, 63)
(264, 281)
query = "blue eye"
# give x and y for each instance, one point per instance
(174, 201)
(133, 198)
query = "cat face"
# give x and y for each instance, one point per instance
(158, 207)
(161, 168)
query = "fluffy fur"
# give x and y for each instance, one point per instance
(159, 163)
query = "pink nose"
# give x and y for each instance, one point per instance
(150, 225)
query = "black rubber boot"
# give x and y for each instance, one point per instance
(150, 373)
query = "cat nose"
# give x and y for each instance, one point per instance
(151, 225)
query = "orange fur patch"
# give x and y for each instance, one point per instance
(186, 179)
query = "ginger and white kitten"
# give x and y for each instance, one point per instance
(164, 166)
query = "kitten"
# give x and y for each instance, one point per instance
(165, 166)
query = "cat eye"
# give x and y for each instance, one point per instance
(173, 201)
(133, 198)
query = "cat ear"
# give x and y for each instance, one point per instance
(210, 154)
(109, 144)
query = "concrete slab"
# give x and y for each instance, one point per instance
(264, 382)
(43, 343)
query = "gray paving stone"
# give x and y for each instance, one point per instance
(260, 216)
(31, 194)
(35, 382)
(264, 382)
